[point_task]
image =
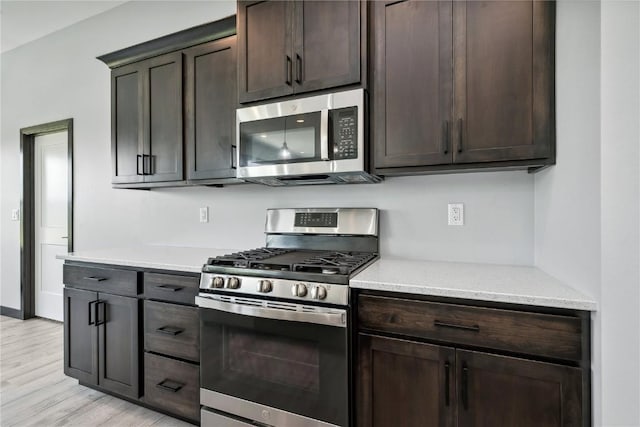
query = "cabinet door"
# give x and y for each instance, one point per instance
(163, 118)
(506, 391)
(404, 383)
(80, 335)
(327, 44)
(412, 83)
(264, 49)
(210, 109)
(127, 123)
(504, 71)
(118, 337)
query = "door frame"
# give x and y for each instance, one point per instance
(27, 207)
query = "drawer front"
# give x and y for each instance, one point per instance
(172, 329)
(521, 332)
(110, 280)
(172, 385)
(171, 287)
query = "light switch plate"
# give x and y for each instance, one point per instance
(456, 214)
(15, 214)
(204, 214)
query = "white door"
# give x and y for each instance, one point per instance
(50, 182)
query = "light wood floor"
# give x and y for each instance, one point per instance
(35, 392)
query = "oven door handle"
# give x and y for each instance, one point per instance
(324, 134)
(332, 317)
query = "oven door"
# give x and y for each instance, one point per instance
(274, 363)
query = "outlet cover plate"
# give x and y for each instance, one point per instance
(204, 214)
(456, 213)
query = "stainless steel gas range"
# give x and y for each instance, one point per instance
(274, 336)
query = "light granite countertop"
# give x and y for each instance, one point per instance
(486, 282)
(173, 258)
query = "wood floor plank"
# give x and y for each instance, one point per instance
(35, 392)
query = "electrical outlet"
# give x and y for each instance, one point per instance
(204, 214)
(456, 214)
(15, 214)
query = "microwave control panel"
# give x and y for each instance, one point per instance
(344, 132)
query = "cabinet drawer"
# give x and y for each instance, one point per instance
(172, 329)
(111, 280)
(521, 332)
(171, 287)
(172, 385)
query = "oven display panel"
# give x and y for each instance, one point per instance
(316, 219)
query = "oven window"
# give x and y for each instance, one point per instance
(272, 359)
(287, 139)
(298, 367)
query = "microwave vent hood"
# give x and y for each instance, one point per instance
(289, 181)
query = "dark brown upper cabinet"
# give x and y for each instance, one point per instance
(287, 47)
(127, 106)
(173, 102)
(210, 102)
(412, 82)
(462, 85)
(146, 120)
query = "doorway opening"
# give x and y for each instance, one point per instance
(46, 220)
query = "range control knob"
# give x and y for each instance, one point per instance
(233, 283)
(299, 290)
(265, 286)
(318, 292)
(217, 282)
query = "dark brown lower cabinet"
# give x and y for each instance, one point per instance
(406, 383)
(506, 391)
(172, 385)
(80, 335)
(426, 361)
(101, 340)
(172, 344)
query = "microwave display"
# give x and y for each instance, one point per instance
(344, 122)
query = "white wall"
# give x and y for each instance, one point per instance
(58, 77)
(620, 134)
(587, 208)
(567, 196)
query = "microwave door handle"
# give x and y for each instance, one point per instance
(334, 318)
(324, 134)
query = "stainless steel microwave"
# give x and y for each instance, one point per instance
(312, 140)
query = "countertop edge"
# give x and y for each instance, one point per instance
(531, 300)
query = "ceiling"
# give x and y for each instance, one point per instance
(22, 21)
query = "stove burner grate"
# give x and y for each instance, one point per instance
(244, 259)
(334, 262)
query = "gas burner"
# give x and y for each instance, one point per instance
(334, 262)
(244, 259)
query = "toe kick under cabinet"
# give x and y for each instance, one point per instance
(134, 333)
(439, 362)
